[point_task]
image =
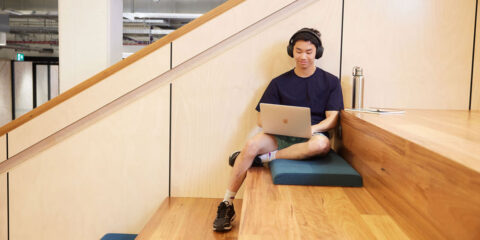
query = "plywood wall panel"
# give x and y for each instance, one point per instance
(415, 54)
(3, 148)
(108, 175)
(3, 207)
(476, 71)
(90, 100)
(213, 104)
(237, 18)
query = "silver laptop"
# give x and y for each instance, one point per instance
(286, 120)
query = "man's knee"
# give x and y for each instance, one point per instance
(251, 147)
(319, 145)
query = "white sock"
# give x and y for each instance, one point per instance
(267, 157)
(229, 196)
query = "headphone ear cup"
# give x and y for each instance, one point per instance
(319, 52)
(290, 50)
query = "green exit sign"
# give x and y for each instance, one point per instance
(20, 57)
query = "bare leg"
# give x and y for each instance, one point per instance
(317, 145)
(259, 144)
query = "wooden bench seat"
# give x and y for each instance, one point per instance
(423, 167)
(310, 212)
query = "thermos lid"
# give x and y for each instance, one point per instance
(357, 71)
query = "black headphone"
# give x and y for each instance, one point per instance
(319, 52)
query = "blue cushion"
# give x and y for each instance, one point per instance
(119, 236)
(329, 170)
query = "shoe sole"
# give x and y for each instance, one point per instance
(225, 229)
(232, 158)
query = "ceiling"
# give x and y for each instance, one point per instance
(34, 23)
(160, 6)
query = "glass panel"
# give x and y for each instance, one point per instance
(23, 88)
(54, 81)
(42, 84)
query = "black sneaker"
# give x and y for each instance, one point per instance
(257, 162)
(225, 217)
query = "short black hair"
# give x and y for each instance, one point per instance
(305, 36)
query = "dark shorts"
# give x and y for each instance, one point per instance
(286, 141)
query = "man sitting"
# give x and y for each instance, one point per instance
(306, 86)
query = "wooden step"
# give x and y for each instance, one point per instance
(311, 212)
(423, 167)
(188, 218)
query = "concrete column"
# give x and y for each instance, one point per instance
(90, 38)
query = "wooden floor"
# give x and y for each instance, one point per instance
(311, 212)
(188, 218)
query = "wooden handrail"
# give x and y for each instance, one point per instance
(119, 66)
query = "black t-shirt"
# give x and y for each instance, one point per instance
(320, 92)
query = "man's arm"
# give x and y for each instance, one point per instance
(328, 123)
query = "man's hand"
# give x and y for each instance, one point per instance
(328, 123)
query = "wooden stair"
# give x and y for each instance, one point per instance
(423, 167)
(421, 181)
(311, 212)
(271, 211)
(188, 218)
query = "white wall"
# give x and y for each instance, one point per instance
(90, 38)
(132, 48)
(54, 91)
(5, 92)
(23, 88)
(42, 84)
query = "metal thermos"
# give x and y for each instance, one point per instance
(357, 98)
